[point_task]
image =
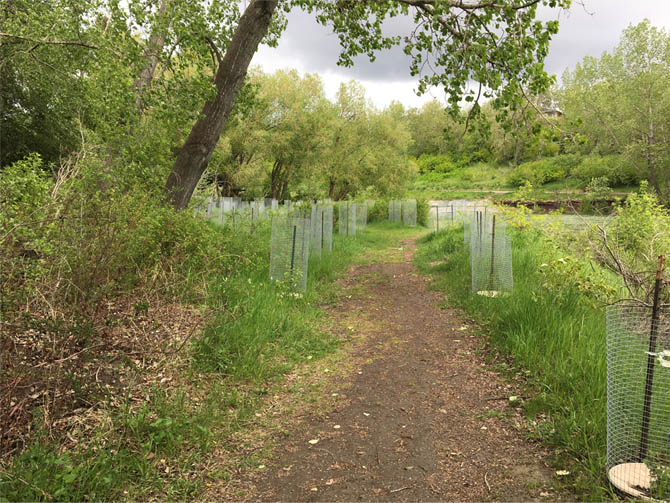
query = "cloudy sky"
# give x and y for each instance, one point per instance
(312, 48)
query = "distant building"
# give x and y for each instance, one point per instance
(553, 112)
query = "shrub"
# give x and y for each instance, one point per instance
(543, 170)
(617, 169)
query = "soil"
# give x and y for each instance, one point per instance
(419, 415)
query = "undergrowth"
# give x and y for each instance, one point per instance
(554, 331)
(136, 339)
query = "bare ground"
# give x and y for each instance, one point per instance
(416, 415)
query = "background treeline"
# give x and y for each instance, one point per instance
(607, 124)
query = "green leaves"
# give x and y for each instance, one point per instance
(501, 46)
(621, 102)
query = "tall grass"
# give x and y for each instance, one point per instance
(256, 330)
(555, 335)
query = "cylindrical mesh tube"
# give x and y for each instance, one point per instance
(347, 218)
(325, 222)
(395, 210)
(289, 251)
(361, 216)
(409, 212)
(491, 258)
(638, 373)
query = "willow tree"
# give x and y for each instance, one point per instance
(499, 45)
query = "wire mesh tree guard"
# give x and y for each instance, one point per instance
(346, 214)
(638, 397)
(395, 210)
(289, 251)
(491, 257)
(409, 212)
(321, 229)
(361, 216)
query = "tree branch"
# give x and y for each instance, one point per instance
(49, 42)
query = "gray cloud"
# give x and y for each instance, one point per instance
(588, 30)
(597, 27)
(319, 48)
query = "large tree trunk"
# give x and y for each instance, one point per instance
(194, 155)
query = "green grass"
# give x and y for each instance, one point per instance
(256, 332)
(556, 337)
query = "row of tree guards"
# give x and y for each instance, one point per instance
(299, 230)
(638, 363)
(442, 217)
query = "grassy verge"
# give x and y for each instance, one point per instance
(157, 440)
(555, 335)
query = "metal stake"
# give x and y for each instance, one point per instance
(493, 253)
(293, 249)
(649, 383)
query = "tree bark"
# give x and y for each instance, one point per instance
(151, 54)
(331, 189)
(194, 155)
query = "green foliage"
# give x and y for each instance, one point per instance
(640, 231)
(543, 170)
(533, 328)
(603, 98)
(561, 276)
(615, 168)
(438, 164)
(422, 208)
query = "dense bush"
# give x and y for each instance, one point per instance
(543, 170)
(68, 245)
(617, 169)
(441, 163)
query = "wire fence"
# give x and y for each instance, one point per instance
(638, 400)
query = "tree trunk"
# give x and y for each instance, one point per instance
(194, 155)
(331, 189)
(275, 186)
(151, 54)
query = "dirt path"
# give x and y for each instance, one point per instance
(420, 416)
